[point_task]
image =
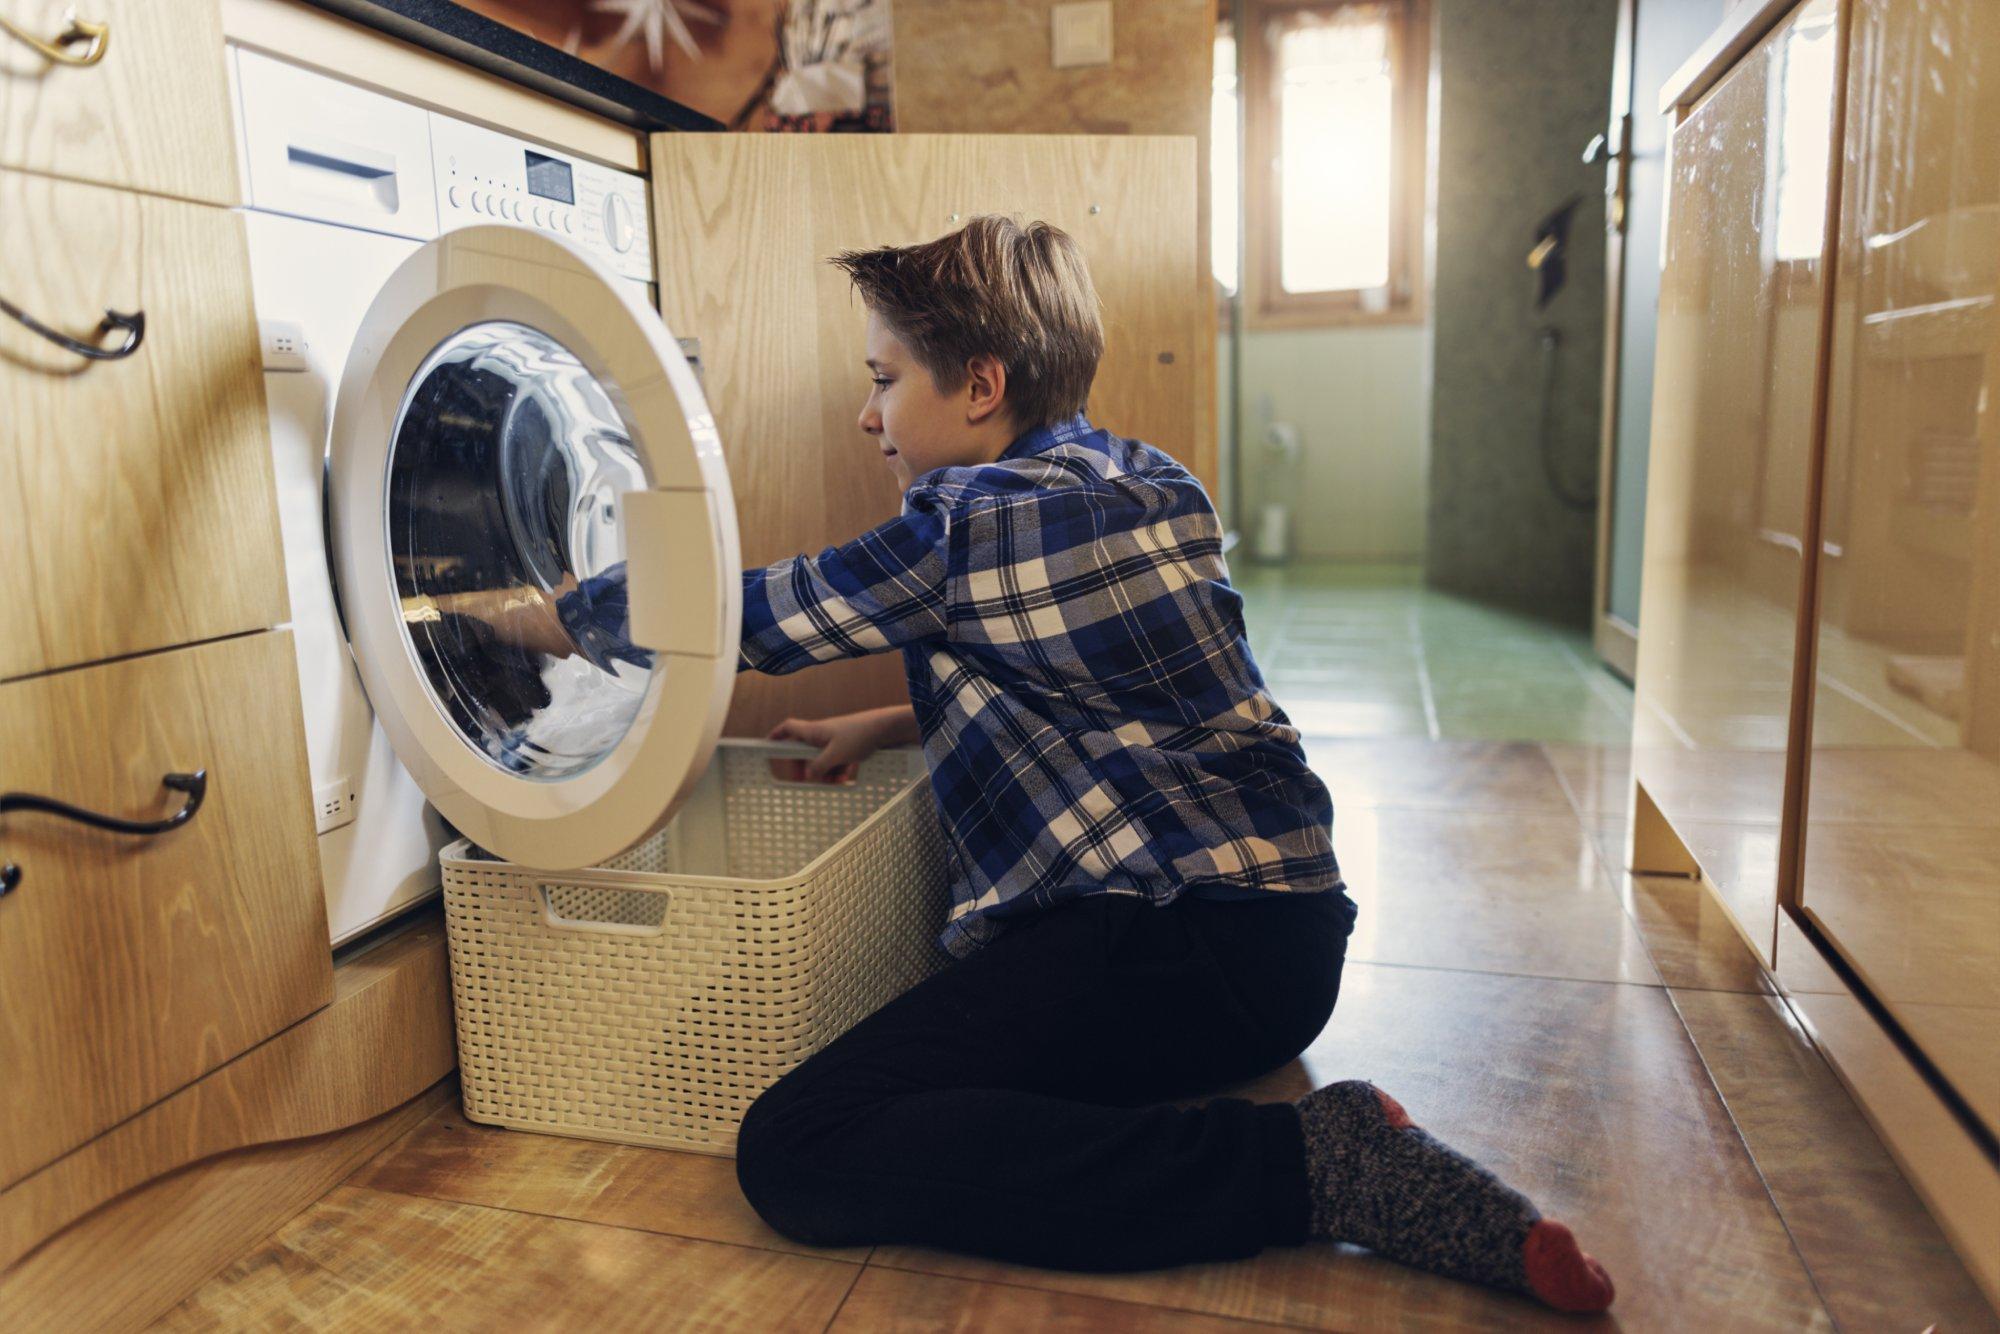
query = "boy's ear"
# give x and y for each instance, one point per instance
(985, 387)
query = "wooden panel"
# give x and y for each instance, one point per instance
(1909, 634)
(1738, 367)
(746, 224)
(145, 514)
(1955, 1178)
(338, 46)
(386, 1037)
(1158, 82)
(153, 114)
(129, 1263)
(131, 965)
(891, 1299)
(592, 1181)
(364, 1259)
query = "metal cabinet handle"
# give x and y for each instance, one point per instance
(57, 48)
(195, 785)
(134, 326)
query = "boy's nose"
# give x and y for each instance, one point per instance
(871, 421)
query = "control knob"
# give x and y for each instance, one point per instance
(618, 222)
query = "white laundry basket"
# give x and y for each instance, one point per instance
(650, 1000)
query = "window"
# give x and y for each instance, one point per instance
(1334, 110)
(1225, 164)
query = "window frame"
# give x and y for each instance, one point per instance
(1266, 303)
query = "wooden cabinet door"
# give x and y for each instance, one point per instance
(142, 512)
(1901, 860)
(131, 965)
(151, 113)
(1733, 448)
(744, 225)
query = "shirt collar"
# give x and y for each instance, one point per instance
(1030, 443)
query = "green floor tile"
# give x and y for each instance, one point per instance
(1326, 719)
(1370, 651)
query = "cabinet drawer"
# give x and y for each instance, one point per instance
(130, 965)
(147, 516)
(151, 114)
(1734, 442)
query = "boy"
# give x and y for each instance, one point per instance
(1145, 901)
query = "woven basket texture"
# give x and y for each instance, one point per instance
(650, 1000)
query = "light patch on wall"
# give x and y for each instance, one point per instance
(1080, 34)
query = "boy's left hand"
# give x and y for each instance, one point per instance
(844, 742)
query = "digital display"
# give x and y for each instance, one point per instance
(550, 178)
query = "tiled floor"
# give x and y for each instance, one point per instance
(1605, 1042)
(1369, 651)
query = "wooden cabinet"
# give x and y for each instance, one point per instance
(131, 965)
(151, 113)
(143, 509)
(1819, 668)
(746, 225)
(1901, 845)
(1732, 456)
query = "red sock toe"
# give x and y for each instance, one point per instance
(1394, 1111)
(1560, 1273)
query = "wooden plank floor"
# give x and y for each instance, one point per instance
(1603, 1042)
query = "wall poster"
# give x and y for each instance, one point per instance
(783, 65)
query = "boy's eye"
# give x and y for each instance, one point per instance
(879, 380)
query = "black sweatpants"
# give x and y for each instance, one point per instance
(1009, 1106)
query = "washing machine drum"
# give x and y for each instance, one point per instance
(535, 546)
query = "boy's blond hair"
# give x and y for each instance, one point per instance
(1022, 295)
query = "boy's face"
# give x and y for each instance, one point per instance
(918, 426)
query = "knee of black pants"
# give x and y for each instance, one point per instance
(1315, 1009)
(775, 1169)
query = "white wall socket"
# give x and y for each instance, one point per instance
(1080, 34)
(333, 804)
(284, 345)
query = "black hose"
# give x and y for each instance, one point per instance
(1551, 339)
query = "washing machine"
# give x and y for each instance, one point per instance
(478, 421)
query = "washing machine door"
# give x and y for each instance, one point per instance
(534, 545)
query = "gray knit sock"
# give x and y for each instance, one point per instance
(1379, 1181)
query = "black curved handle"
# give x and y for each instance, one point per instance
(134, 326)
(195, 785)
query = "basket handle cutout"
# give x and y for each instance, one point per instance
(787, 764)
(605, 910)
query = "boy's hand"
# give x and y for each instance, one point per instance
(844, 742)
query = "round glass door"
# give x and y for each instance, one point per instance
(515, 432)
(504, 471)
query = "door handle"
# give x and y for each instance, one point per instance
(1599, 150)
(57, 48)
(134, 326)
(194, 785)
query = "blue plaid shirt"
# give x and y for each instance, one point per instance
(1090, 711)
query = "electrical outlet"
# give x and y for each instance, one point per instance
(333, 804)
(284, 345)
(1080, 34)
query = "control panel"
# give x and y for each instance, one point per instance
(484, 176)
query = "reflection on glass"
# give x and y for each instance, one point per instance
(1737, 350)
(1336, 88)
(1901, 861)
(507, 462)
(1801, 93)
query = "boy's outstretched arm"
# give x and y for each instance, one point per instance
(885, 589)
